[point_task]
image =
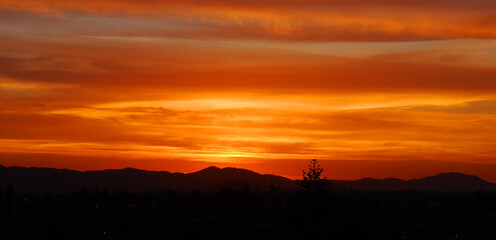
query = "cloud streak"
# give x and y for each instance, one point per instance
(277, 20)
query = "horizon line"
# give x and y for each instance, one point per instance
(269, 174)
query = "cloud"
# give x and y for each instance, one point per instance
(475, 107)
(156, 6)
(67, 128)
(269, 20)
(290, 132)
(306, 73)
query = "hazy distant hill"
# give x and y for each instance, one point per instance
(211, 179)
(441, 182)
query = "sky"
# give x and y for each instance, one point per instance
(370, 88)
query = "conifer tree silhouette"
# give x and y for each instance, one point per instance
(313, 184)
(313, 192)
(314, 199)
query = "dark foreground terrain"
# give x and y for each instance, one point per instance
(247, 214)
(231, 203)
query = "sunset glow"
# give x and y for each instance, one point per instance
(370, 88)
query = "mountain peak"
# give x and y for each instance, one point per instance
(454, 176)
(213, 170)
(210, 169)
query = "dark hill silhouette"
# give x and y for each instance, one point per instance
(207, 180)
(453, 181)
(211, 179)
(440, 183)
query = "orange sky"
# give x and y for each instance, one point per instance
(370, 88)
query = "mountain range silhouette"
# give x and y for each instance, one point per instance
(212, 179)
